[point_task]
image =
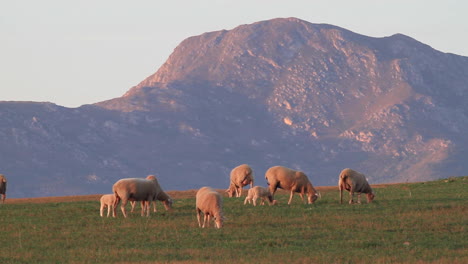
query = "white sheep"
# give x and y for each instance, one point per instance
(240, 176)
(162, 196)
(259, 192)
(3, 185)
(107, 200)
(353, 181)
(291, 180)
(209, 203)
(137, 189)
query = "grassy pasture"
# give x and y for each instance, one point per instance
(407, 223)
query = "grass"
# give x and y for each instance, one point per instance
(407, 223)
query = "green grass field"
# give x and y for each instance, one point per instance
(407, 223)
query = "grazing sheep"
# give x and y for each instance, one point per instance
(291, 180)
(353, 181)
(240, 177)
(259, 192)
(107, 200)
(137, 189)
(209, 203)
(162, 196)
(3, 185)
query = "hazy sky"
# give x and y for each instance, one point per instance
(81, 52)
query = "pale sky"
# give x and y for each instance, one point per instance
(82, 52)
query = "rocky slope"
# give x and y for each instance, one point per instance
(287, 92)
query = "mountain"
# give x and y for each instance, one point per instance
(313, 97)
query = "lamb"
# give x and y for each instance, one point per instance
(209, 203)
(291, 180)
(137, 189)
(107, 200)
(3, 185)
(259, 192)
(240, 177)
(353, 181)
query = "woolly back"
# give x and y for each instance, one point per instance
(130, 186)
(358, 180)
(241, 175)
(207, 197)
(151, 177)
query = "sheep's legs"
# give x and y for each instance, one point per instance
(122, 208)
(101, 211)
(114, 206)
(351, 195)
(255, 200)
(145, 207)
(109, 209)
(148, 207)
(206, 220)
(239, 192)
(290, 197)
(199, 218)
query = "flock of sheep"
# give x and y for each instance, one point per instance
(209, 202)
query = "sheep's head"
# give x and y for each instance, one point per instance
(312, 198)
(370, 197)
(231, 191)
(167, 204)
(219, 219)
(246, 182)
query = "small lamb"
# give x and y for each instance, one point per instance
(259, 192)
(107, 200)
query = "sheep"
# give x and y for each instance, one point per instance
(3, 185)
(162, 196)
(291, 180)
(240, 177)
(209, 203)
(353, 181)
(107, 200)
(259, 192)
(137, 189)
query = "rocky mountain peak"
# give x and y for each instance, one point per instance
(326, 82)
